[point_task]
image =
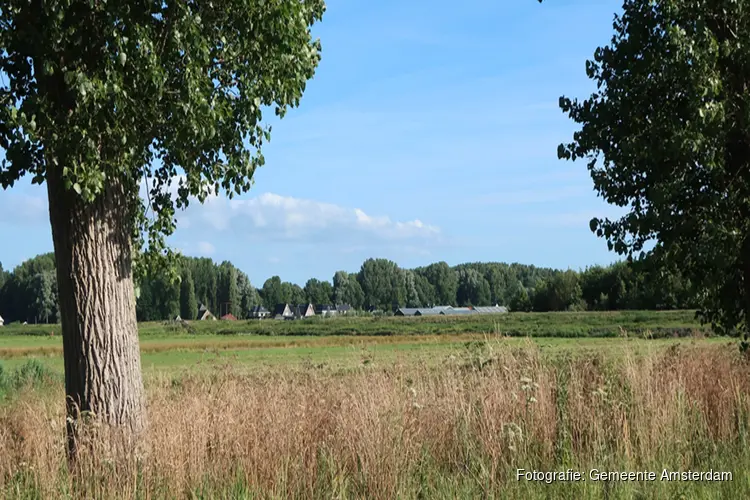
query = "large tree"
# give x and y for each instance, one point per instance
(383, 283)
(229, 293)
(273, 293)
(445, 280)
(318, 292)
(347, 290)
(188, 302)
(98, 96)
(667, 135)
(473, 289)
(248, 294)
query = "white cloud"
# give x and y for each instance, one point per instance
(272, 216)
(205, 248)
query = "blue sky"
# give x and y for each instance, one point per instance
(428, 133)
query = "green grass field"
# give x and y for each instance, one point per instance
(338, 342)
(400, 408)
(559, 324)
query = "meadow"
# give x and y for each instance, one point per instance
(447, 414)
(554, 324)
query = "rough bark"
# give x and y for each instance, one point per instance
(746, 287)
(93, 253)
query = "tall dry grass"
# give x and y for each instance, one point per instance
(404, 431)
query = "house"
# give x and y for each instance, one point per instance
(325, 310)
(259, 312)
(228, 317)
(204, 314)
(304, 311)
(2, 321)
(283, 311)
(343, 308)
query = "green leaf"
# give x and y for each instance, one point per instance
(77, 188)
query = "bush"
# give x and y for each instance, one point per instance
(32, 374)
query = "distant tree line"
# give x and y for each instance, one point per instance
(29, 292)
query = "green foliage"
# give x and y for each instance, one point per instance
(561, 293)
(412, 297)
(638, 285)
(296, 293)
(44, 290)
(473, 288)
(188, 303)
(29, 293)
(666, 135)
(425, 290)
(521, 301)
(382, 283)
(33, 373)
(99, 91)
(607, 324)
(248, 294)
(229, 293)
(444, 280)
(318, 292)
(347, 290)
(272, 293)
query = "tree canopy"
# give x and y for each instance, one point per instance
(666, 135)
(637, 285)
(172, 92)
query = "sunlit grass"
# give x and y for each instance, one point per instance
(454, 425)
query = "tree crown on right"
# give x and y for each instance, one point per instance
(667, 135)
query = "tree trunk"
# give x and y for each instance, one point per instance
(745, 259)
(93, 254)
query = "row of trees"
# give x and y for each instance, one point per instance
(222, 288)
(29, 293)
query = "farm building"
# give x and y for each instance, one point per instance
(406, 311)
(457, 310)
(496, 309)
(204, 314)
(343, 308)
(2, 321)
(449, 310)
(283, 311)
(417, 311)
(229, 317)
(304, 311)
(441, 308)
(259, 312)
